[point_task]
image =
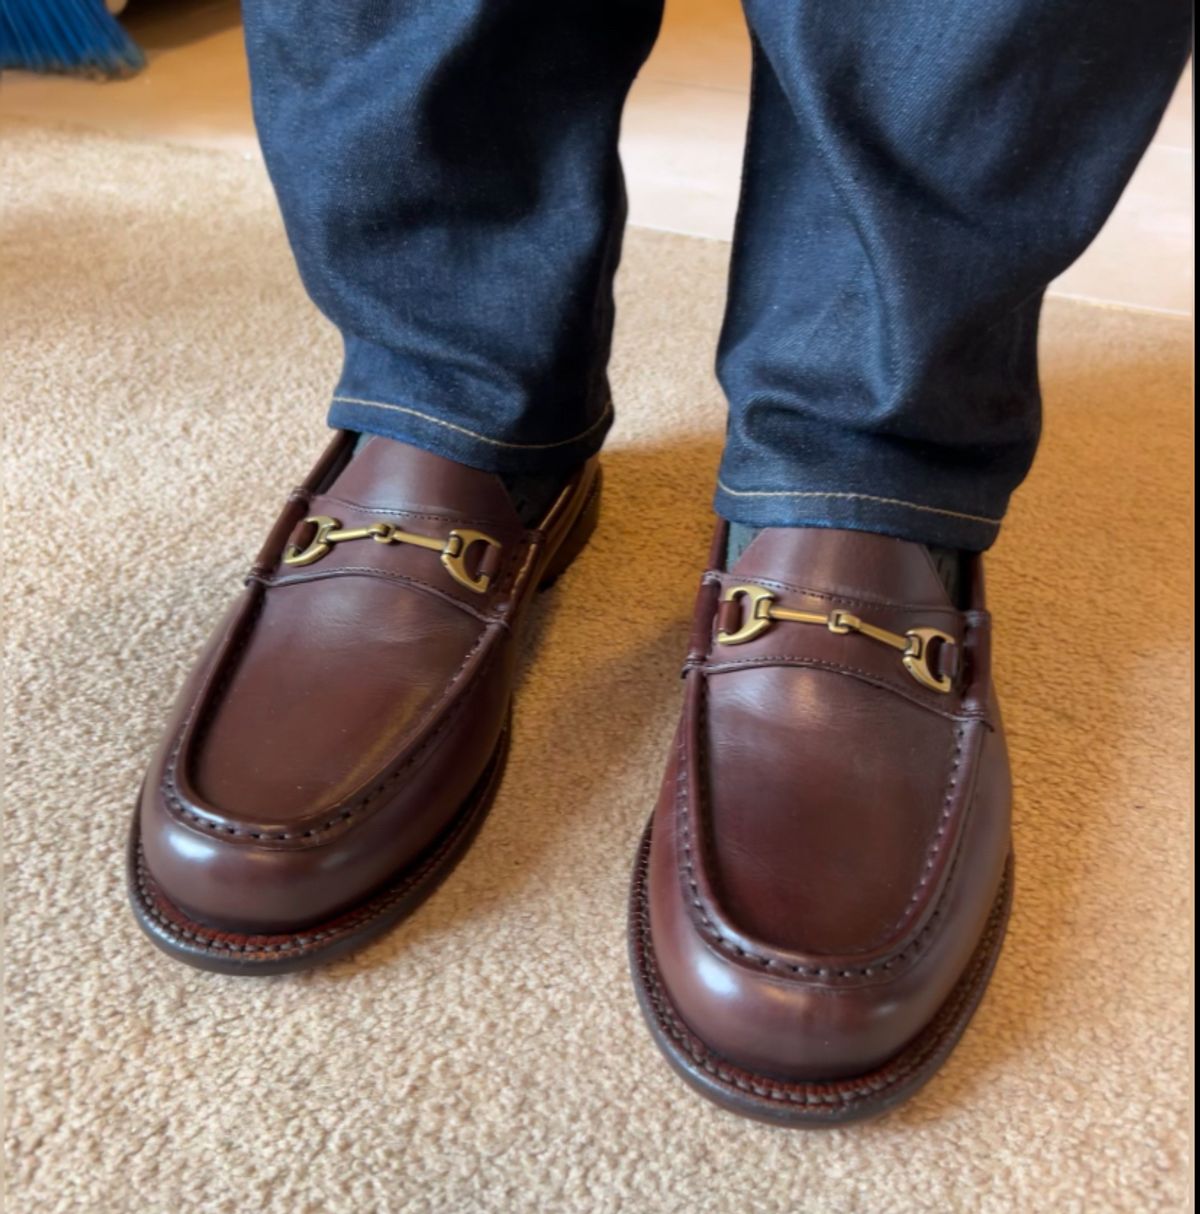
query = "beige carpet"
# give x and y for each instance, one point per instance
(163, 384)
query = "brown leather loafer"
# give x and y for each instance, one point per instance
(341, 738)
(823, 889)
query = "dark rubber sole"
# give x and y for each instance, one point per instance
(804, 1104)
(206, 948)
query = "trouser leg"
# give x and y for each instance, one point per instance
(449, 181)
(917, 172)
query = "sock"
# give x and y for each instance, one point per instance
(534, 493)
(947, 561)
(739, 539)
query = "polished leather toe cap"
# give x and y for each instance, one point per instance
(797, 1015)
(266, 872)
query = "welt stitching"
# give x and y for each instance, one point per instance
(939, 837)
(799, 1093)
(302, 941)
(351, 811)
(722, 941)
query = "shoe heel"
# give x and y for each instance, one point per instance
(577, 538)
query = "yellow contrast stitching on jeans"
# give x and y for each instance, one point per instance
(483, 438)
(861, 497)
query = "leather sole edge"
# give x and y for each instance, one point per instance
(801, 1104)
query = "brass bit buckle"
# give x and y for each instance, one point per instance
(914, 646)
(452, 550)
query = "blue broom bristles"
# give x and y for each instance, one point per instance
(65, 36)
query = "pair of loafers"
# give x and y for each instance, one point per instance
(821, 894)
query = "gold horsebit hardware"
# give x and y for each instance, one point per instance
(453, 549)
(914, 645)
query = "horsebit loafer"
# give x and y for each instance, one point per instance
(342, 735)
(822, 892)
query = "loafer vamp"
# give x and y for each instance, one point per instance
(833, 828)
(356, 696)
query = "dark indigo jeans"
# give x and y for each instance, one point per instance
(916, 172)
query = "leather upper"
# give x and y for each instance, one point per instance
(345, 708)
(831, 833)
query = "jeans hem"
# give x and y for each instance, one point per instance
(458, 441)
(853, 511)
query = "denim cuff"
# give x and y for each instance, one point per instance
(495, 426)
(921, 522)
